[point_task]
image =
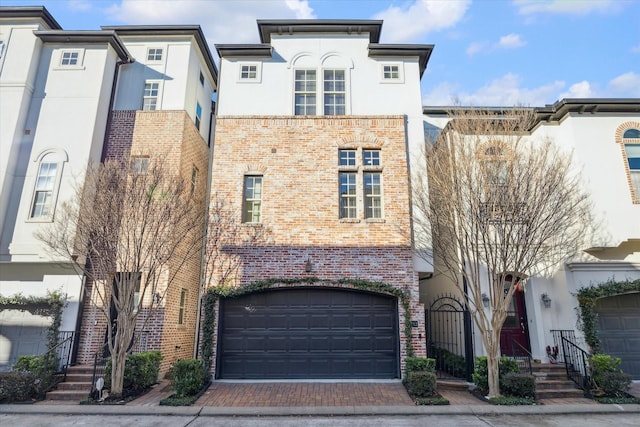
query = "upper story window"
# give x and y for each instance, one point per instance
(46, 185)
(252, 203)
(347, 157)
(201, 79)
(1, 49)
(151, 94)
(334, 93)
(305, 92)
(631, 143)
(154, 54)
(69, 58)
(182, 306)
(392, 73)
(370, 175)
(198, 115)
(248, 72)
(139, 165)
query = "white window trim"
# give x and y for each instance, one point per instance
(320, 90)
(59, 158)
(155, 61)
(400, 78)
(78, 66)
(258, 77)
(360, 169)
(158, 98)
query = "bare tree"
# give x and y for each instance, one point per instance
(131, 233)
(498, 202)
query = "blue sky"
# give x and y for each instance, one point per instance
(487, 52)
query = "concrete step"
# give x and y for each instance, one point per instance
(559, 393)
(554, 384)
(80, 369)
(78, 378)
(452, 385)
(80, 386)
(67, 395)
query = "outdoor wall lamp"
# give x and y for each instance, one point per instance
(307, 266)
(546, 300)
(485, 300)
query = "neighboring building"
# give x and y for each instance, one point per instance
(315, 129)
(70, 98)
(604, 136)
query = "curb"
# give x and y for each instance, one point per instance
(214, 411)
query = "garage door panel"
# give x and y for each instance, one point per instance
(329, 333)
(619, 330)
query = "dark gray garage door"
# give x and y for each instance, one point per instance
(21, 334)
(619, 330)
(309, 333)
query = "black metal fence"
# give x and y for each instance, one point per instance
(557, 351)
(449, 339)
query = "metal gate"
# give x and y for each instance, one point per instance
(449, 337)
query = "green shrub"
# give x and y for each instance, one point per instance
(450, 362)
(16, 386)
(614, 384)
(608, 376)
(42, 368)
(420, 384)
(140, 372)
(178, 401)
(512, 400)
(518, 385)
(481, 374)
(618, 400)
(437, 400)
(187, 377)
(416, 364)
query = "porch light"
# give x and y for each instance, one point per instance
(307, 266)
(485, 300)
(546, 300)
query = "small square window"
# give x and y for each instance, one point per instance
(69, 58)
(371, 157)
(139, 165)
(154, 54)
(390, 72)
(249, 72)
(347, 158)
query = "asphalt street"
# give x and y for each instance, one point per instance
(546, 420)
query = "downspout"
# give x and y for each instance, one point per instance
(112, 98)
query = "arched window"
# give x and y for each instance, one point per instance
(46, 186)
(631, 143)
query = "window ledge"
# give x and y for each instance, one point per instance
(375, 220)
(349, 220)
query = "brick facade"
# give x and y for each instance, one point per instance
(172, 136)
(298, 160)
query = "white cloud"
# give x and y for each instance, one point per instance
(511, 41)
(415, 19)
(79, 5)
(569, 7)
(581, 89)
(626, 85)
(635, 49)
(503, 91)
(476, 47)
(222, 21)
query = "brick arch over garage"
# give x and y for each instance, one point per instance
(309, 332)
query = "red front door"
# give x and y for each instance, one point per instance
(514, 338)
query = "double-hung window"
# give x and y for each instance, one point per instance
(252, 199)
(370, 173)
(372, 184)
(348, 195)
(139, 165)
(198, 115)
(182, 306)
(631, 141)
(334, 93)
(305, 92)
(150, 98)
(45, 185)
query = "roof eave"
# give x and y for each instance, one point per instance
(267, 27)
(262, 50)
(422, 51)
(86, 37)
(40, 12)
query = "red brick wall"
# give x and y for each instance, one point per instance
(298, 159)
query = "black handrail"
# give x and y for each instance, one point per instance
(523, 358)
(56, 361)
(576, 364)
(558, 334)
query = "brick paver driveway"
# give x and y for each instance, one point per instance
(305, 394)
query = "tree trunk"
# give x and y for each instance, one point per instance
(493, 367)
(118, 361)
